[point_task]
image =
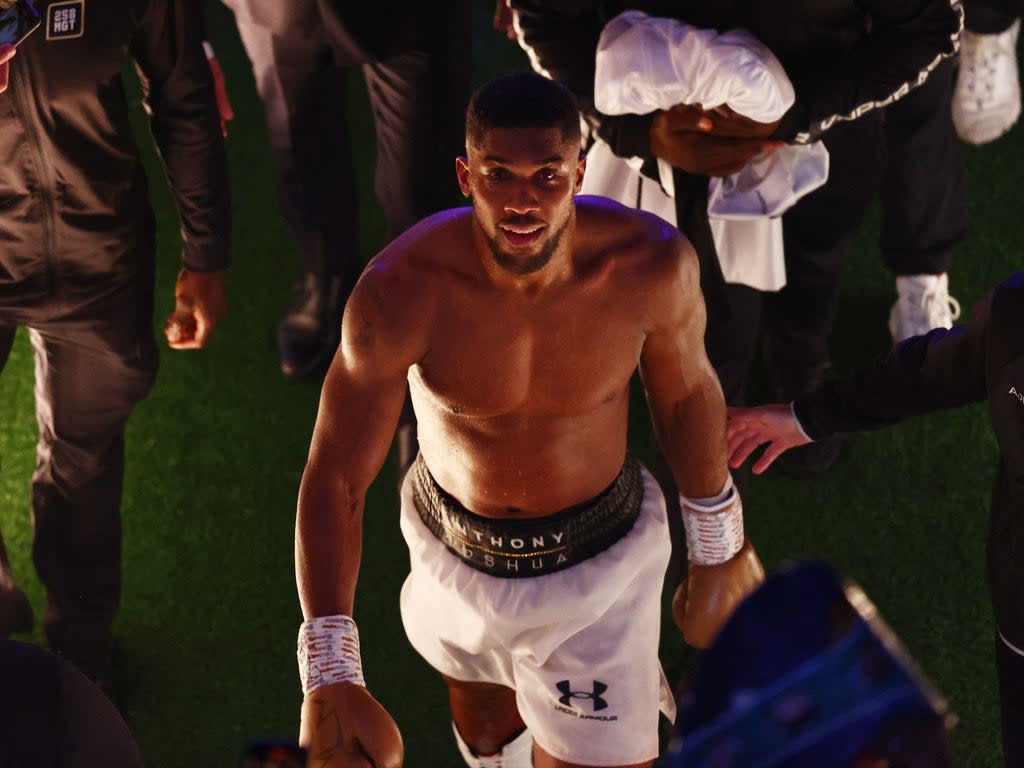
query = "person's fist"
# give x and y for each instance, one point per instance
(199, 305)
(6, 54)
(343, 726)
(710, 593)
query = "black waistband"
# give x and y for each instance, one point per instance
(534, 546)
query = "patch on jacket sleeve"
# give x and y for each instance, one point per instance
(65, 20)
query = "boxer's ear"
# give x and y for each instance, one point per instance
(581, 167)
(462, 174)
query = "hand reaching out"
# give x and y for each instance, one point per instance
(750, 427)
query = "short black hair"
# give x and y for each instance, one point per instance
(522, 100)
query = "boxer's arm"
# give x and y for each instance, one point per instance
(683, 394)
(688, 411)
(359, 408)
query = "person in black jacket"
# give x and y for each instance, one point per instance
(53, 716)
(77, 268)
(845, 59)
(980, 361)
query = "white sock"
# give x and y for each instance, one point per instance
(517, 753)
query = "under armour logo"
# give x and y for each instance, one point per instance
(568, 694)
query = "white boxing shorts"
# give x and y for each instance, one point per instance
(579, 646)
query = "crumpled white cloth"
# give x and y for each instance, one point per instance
(646, 64)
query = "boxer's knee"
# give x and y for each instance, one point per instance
(517, 752)
(487, 722)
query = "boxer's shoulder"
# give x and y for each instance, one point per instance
(641, 250)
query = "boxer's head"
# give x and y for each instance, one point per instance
(522, 167)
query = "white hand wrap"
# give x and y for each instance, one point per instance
(714, 527)
(329, 653)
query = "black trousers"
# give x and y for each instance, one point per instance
(990, 17)
(1010, 670)
(418, 91)
(52, 716)
(906, 153)
(95, 359)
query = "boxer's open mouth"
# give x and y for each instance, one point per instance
(522, 234)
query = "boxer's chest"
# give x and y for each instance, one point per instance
(556, 358)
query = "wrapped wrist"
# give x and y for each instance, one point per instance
(714, 526)
(328, 652)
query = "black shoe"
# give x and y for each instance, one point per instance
(308, 334)
(15, 610)
(794, 381)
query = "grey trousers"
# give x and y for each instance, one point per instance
(95, 359)
(418, 88)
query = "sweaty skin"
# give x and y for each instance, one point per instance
(518, 324)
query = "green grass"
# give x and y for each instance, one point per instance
(207, 627)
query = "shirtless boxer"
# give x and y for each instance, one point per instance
(538, 546)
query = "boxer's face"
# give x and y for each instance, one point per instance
(522, 181)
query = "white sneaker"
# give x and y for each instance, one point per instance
(986, 99)
(924, 303)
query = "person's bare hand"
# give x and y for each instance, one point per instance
(199, 305)
(684, 137)
(6, 54)
(503, 19)
(750, 427)
(727, 122)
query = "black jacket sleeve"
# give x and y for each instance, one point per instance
(907, 40)
(942, 369)
(179, 98)
(560, 37)
(903, 40)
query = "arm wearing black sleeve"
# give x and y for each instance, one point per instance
(942, 369)
(179, 98)
(908, 39)
(560, 37)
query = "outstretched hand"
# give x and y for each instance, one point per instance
(750, 427)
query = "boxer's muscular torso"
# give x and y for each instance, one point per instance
(521, 393)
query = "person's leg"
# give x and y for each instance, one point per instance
(488, 725)
(1010, 671)
(92, 366)
(418, 97)
(818, 232)
(51, 714)
(15, 609)
(986, 99)
(303, 90)
(923, 205)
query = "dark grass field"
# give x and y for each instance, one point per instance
(208, 622)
